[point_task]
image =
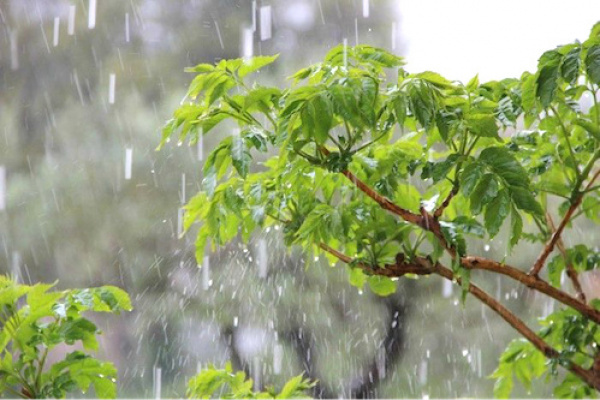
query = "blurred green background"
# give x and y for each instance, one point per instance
(68, 211)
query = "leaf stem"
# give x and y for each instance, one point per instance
(567, 140)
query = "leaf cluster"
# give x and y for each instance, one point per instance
(36, 321)
(226, 384)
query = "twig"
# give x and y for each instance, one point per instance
(539, 263)
(571, 273)
(440, 210)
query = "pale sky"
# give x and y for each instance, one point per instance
(497, 39)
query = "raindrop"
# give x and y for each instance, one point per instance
(92, 15)
(2, 187)
(183, 188)
(127, 37)
(356, 30)
(247, 42)
(423, 372)
(200, 146)
(78, 86)
(235, 322)
(486, 247)
(394, 35)
(157, 381)
(277, 358)
(465, 352)
(365, 8)
(447, 288)
(265, 23)
(219, 34)
(71, 20)
(128, 162)
(321, 11)
(112, 80)
(263, 258)
(256, 373)
(206, 282)
(56, 31)
(14, 51)
(253, 15)
(381, 363)
(180, 222)
(16, 266)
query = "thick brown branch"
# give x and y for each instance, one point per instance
(396, 270)
(571, 273)
(402, 267)
(532, 282)
(576, 201)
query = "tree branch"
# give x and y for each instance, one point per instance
(571, 273)
(531, 282)
(576, 201)
(424, 266)
(383, 201)
(539, 263)
(401, 267)
(440, 210)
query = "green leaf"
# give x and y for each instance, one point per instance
(440, 170)
(240, 157)
(422, 102)
(571, 64)
(435, 79)
(592, 64)
(524, 200)
(381, 285)
(483, 125)
(201, 68)
(321, 113)
(547, 84)
(516, 228)
(484, 192)
(356, 277)
(528, 89)
(469, 226)
(504, 164)
(503, 386)
(255, 63)
(547, 76)
(117, 299)
(473, 83)
(469, 177)
(496, 212)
